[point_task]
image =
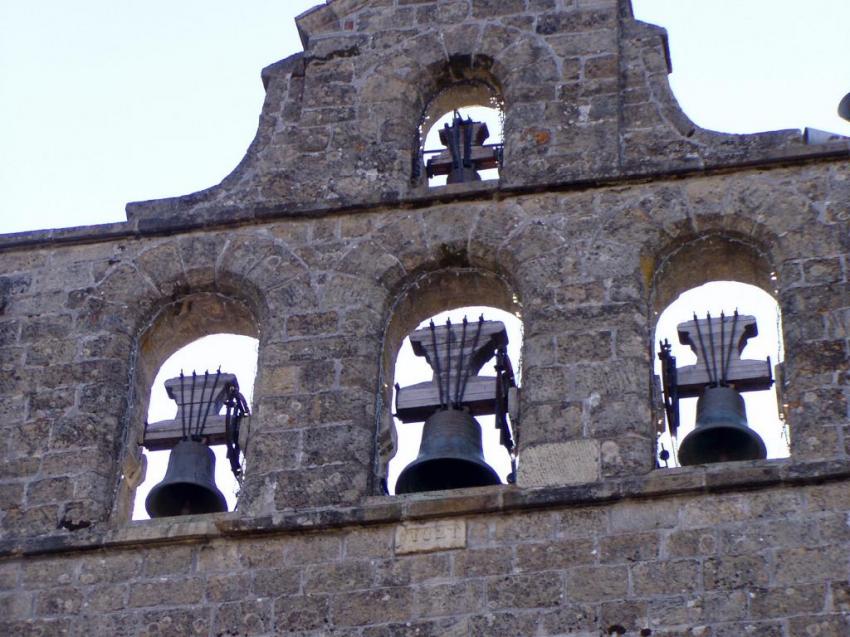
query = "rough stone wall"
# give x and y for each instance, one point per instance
(321, 292)
(584, 87)
(320, 244)
(767, 563)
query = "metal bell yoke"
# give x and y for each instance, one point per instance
(451, 453)
(722, 433)
(189, 483)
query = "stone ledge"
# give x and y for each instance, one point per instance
(389, 510)
(192, 212)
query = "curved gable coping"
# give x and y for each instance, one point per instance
(178, 214)
(325, 18)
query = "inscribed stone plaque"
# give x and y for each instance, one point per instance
(430, 536)
(571, 462)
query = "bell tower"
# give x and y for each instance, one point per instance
(593, 208)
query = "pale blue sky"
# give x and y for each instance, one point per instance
(104, 102)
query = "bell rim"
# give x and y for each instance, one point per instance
(214, 496)
(215, 491)
(684, 453)
(419, 462)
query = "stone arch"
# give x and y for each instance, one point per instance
(414, 72)
(462, 81)
(166, 326)
(709, 256)
(717, 257)
(421, 296)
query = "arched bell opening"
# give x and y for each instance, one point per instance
(460, 135)
(234, 355)
(718, 354)
(214, 336)
(451, 433)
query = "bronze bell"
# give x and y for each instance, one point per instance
(722, 433)
(450, 456)
(844, 107)
(189, 483)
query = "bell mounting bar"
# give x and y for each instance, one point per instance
(199, 405)
(718, 344)
(456, 353)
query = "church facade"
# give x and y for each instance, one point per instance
(329, 245)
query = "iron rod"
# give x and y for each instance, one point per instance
(460, 360)
(702, 347)
(731, 343)
(183, 429)
(449, 362)
(437, 370)
(474, 347)
(209, 402)
(198, 424)
(711, 346)
(722, 348)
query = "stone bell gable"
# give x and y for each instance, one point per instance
(584, 88)
(328, 245)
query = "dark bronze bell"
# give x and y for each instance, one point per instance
(722, 433)
(844, 107)
(189, 483)
(450, 456)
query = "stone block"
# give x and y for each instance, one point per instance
(254, 617)
(571, 462)
(554, 555)
(762, 629)
(274, 582)
(482, 562)
(534, 590)
(358, 608)
(631, 547)
(775, 534)
(690, 543)
(166, 591)
(430, 536)
(337, 577)
(453, 627)
(42, 573)
(506, 624)
(105, 598)
(665, 577)
(823, 625)
(455, 598)
(63, 600)
(783, 601)
(581, 522)
(301, 613)
(710, 511)
(16, 606)
(524, 527)
(174, 621)
(224, 588)
(178, 560)
(111, 568)
(811, 564)
(597, 583)
(643, 515)
(736, 571)
(413, 569)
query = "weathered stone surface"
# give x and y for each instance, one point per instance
(420, 538)
(609, 204)
(571, 462)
